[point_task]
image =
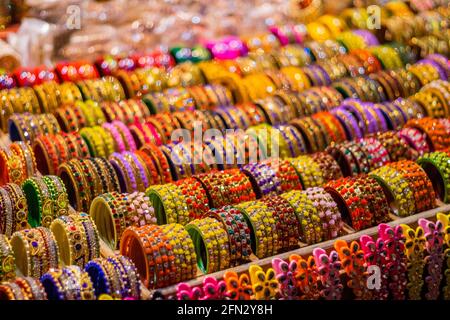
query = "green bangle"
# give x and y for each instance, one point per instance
(163, 203)
(437, 167)
(58, 194)
(39, 201)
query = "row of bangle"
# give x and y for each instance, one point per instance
(318, 276)
(115, 277)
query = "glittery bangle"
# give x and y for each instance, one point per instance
(69, 283)
(7, 266)
(308, 171)
(40, 202)
(436, 132)
(436, 166)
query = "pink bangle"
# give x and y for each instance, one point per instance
(129, 140)
(116, 135)
(155, 133)
(415, 138)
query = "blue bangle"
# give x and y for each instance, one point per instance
(98, 277)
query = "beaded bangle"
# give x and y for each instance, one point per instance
(195, 195)
(436, 166)
(286, 173)
(69, 283)
(15, 209)
(35, 251)
(416, 139)
(149, 248)
(286, 222)
(396, 148)
(330, 217)
(398, 191)
(40, 202)
(311, 132)
(437, 136)
(259, 217)
(263, 178)
(160, 161)
(238, 233)
(308, 171)
(7, 266)
(375, 152)
(327, 166)
(32, 288)
(11, 291)
(25, 152)
(307, 215)
(349, 123)
(344, 158)
(208, 233)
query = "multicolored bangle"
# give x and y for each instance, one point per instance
(7, 266)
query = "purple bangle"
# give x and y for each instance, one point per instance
(393, 108)
(354, 132)
(298, 137)
(264, 177)
(350, 107)
(127, 135)
(442, 72)
(324, 73)
(368, 37)
(186, 154)
(442, 61)
(381, 118)
(114, 159)
(372, 122)
(116, 135)
(140, 167)
(230, 124)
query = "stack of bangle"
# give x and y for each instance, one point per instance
(165, 124)
(332, 128)
(17, 101)
(26, 127)
(343, 154)
(170, 203)
(396, 147)
(144, 133)
(360, 200)
(416, 139)
(238, 231)
(131, 171)
(17, 162)
(179, 157)
(35, 251)
(399, 193)
(51, 95)
(116, 276)
(259, 217)
(436, 165)
(47, 199)
(68, 283)
(13, 209)
(73, 117)
(312, 132)
(77, 239)
(52, 150)
(433, 98)
(113, 212)
(437, 135)
(376, 153)
(7, 265)
(210, 234)
(195, 195)
(159, 161)
(307, 216)
(103, 89)
(308, 171)
(76, 70)
(142, 81)
(99, 141)
(286, 223)
(263, 178)
(327, 166)
(330, 217)
(87, 178)
(22, 288)
(163, 255)
(126, 111)
(424, 196)
(227, 187)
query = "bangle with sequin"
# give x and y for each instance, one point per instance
(7, 266)
(436, 132)
(13, 209)
(436, 166)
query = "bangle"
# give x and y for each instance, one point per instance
(307, 216)
(15, 208)
(149, 248)
(415, 139)
(11, 165)
(349, 122)
(330, 217)
(40, 202)
(24, 151)
(208, 233)
(312, 133)
(32, 288)
(397, 148)
(119, 141)
(167, 199)
(263, 178)
(435, 165)
(11, 291)
(286, 222)
(238, 233)
(327, 166)
(375, 152)
(125, 172)
(344, 157)
(259, 217)
(196, 197)
(331, 125)
(69, 283)
(35, 251)
(7, 266)
(308, 171)
(435, 131)
(401, 196)
(159, 160)
(125, 132)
